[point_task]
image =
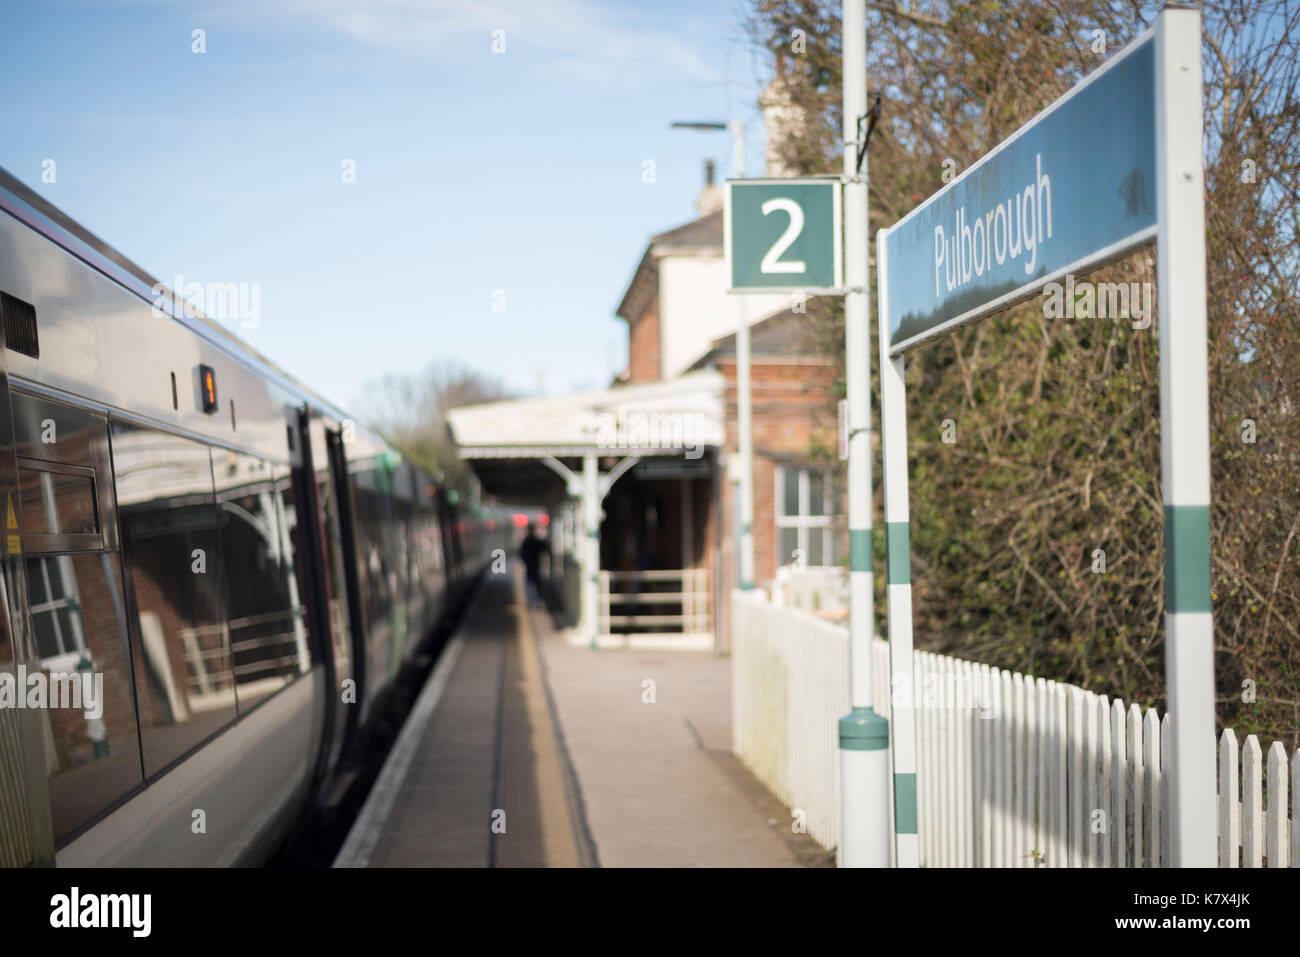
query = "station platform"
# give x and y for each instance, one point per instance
(524, 750)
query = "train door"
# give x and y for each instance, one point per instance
(27, 836)
(70, 743)
(345, 548)
(318, 580)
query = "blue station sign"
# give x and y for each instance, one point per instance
(1073, 188)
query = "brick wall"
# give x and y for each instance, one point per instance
(643, 345)
(790, 402)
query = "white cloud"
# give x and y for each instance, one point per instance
(580, 39)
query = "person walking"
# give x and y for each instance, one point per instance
(531, 551)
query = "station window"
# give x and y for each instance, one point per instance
(267, 621)
(184, 680)
(804, 519)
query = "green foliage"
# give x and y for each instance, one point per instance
(1058, 441)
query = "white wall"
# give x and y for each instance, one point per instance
(694, 309)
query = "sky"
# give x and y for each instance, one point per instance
(483, 180)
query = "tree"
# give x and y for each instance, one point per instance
(410, 411)
(1058, 450)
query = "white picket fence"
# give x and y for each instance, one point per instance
(1012, 771)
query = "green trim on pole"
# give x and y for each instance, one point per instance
(898, 550)
(860, 550)
(905, 803)
(863, 730)
(1187, 558)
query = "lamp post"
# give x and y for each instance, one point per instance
(864, 732)
(737, 139)
(744, 409)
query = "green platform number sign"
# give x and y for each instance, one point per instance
(783, 235)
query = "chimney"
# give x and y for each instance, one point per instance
(781, 119)
(710, 200)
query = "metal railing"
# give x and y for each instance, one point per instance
(655, 603)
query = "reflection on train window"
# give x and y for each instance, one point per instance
(56, 616)
(91, 750)
(57, 502)
(16, 846)
(290, 559)
(184, 680)
(55, 432)
(376, 549)
(77, 612)
(334, 576)
(61, 449)
(267, 620)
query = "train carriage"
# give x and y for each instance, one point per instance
(229, 568)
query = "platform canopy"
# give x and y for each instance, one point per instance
(514, 446)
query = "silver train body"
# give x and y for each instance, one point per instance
(211, 574)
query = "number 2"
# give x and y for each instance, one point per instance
(770, 262)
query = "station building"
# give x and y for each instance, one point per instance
(640, 479)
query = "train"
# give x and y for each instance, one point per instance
(212, 575)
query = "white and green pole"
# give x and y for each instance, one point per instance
(898, 556)
(863, 734)
(745, 446)
(591, 546)
(1185, 437)
(744, 402)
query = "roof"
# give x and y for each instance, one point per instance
(785, 333)
(702, 233)
(699, 235)
(658, 418)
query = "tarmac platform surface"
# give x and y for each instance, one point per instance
(525, 750)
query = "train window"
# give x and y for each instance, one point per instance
(184, 679)
(290, 558)
(71, 443)
(338, 611)
(57, 500)
(54, 605)
(267, 621)
(92, 752)
(54, 432)
(76, 609)
(334, 579)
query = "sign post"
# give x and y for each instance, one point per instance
(1113, 165)
(784, 236)
(779, 235)
(863, 733)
